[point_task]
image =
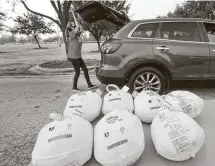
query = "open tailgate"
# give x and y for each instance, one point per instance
(93, 11)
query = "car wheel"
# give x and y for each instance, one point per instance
(147, 78)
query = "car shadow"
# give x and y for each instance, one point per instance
(192, 84)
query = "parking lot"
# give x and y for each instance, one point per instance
(26, 103)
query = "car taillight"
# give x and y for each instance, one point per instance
(109, 48)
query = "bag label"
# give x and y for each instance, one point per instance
(122, 129)
(115, 99)
(153, 108)
(184, 103)
(131, 162)
(113, 119)
(166, 105)
(76, 114)
(181, 144)
(75, 106)
(59, 137)
(78, 111)
(51, 128)
(151, 93)
(177, 132)
(74, 163)
(117, 144)
(106, 134)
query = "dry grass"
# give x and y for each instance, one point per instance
(65, 64)
(17, 59)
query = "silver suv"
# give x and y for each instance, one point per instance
(149, 54)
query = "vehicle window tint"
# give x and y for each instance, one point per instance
(179, 31)
(210, 28)
(145, 30)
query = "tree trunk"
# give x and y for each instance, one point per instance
(65, 42)
(37, 41)
(98, 42)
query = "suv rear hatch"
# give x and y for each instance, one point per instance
(93, 11)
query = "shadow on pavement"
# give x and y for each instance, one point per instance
(193, 84)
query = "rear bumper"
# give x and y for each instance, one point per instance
(110, 80)
(109, 76)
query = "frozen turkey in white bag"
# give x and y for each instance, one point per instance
(176, 136)
(118, 139)
(184, 101)
(64, 141)
(87, 105)
(117, 98)
(147, 105)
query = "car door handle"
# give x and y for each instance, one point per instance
(162, 48)
(213, 50)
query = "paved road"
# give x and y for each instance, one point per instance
(27, 102)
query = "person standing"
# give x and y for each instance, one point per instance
(73, 33)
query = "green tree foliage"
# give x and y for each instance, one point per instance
(2, 19)
(31, 24)
(4, 39)
(31, 39)
(22, 40)
(195, 9)
(61, 8)
(52, 39)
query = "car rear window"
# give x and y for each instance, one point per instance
(183, 31)
(210, 29)
(124, 31)
(145, 30)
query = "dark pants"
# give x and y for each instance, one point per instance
(77, 64)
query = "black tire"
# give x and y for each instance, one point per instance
(143, 70)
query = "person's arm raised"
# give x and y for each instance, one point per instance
(78, 29)
(76, 21)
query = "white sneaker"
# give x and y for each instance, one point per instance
(76, 90)
(92, 87)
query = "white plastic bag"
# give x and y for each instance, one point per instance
(65, 141)
(176, 136)
(87, 105)
(147, 105)
(117, 98)
(184, 101)
(118, 139)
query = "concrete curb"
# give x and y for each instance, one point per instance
(40, 70)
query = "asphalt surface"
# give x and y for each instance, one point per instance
(27, 102)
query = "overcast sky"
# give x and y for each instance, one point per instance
(140, 9)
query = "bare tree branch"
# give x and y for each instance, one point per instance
(59, 13)
(55, 7)
(65, 12)
(59, 8)
(42, 15)
(69, 3)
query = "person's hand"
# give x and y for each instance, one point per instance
(72, 8)
(73, 11)
(78, 15)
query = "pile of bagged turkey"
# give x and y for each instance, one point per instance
(118, 138)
